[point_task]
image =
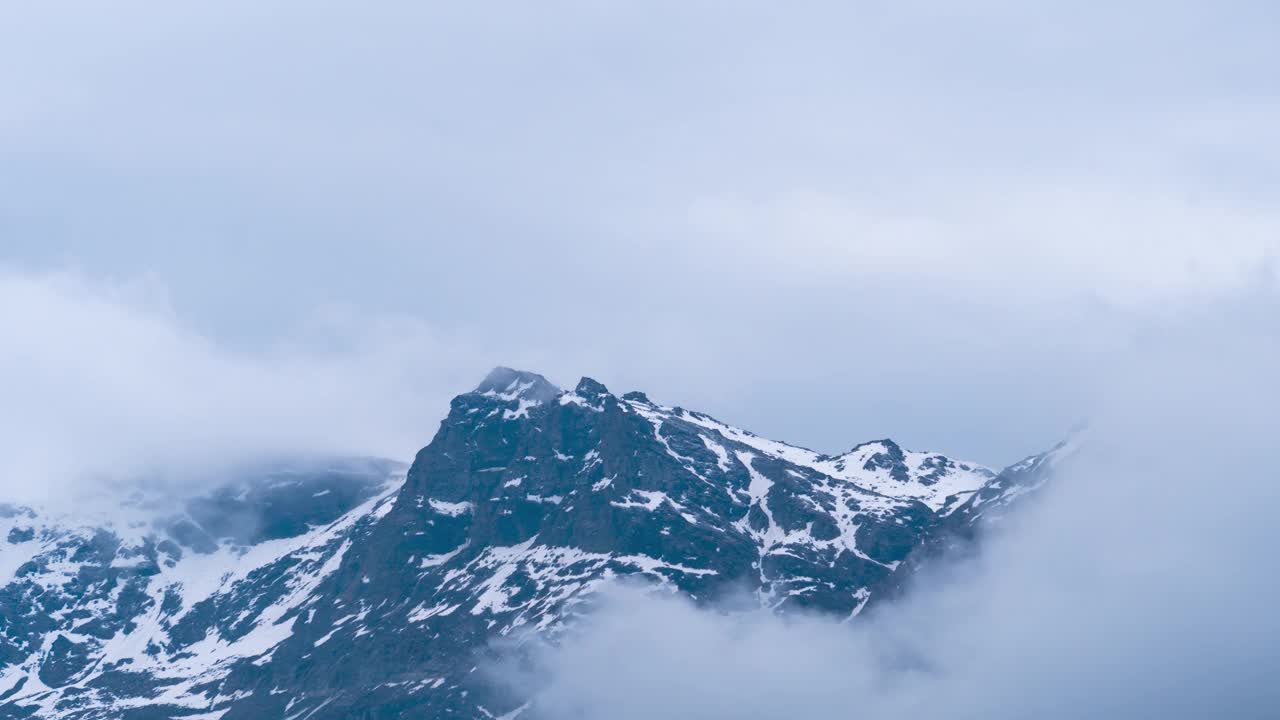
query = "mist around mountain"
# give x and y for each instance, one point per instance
(250, 597)
(1137, 582)
(931, 348)
(580, 553)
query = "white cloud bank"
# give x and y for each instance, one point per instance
(102, 380)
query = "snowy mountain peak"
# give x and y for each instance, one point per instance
(251, 601)
(589, 388)
(507, 384)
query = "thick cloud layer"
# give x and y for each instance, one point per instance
(103, 381)
(1141, 585)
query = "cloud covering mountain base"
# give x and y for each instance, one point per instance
(1142, 584)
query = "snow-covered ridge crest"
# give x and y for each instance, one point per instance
(518, 390)
(506, 384)
(880, 465)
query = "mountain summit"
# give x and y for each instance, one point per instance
(525, 504)
(516, 384)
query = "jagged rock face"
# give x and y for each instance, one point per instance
(526, 501)
(958, 533)
(995, 499)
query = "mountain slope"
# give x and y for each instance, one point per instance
(959, 533)
(151, 602)
(527, 500)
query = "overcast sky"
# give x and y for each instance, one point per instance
(826, 222)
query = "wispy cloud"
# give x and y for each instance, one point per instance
(105, 380)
